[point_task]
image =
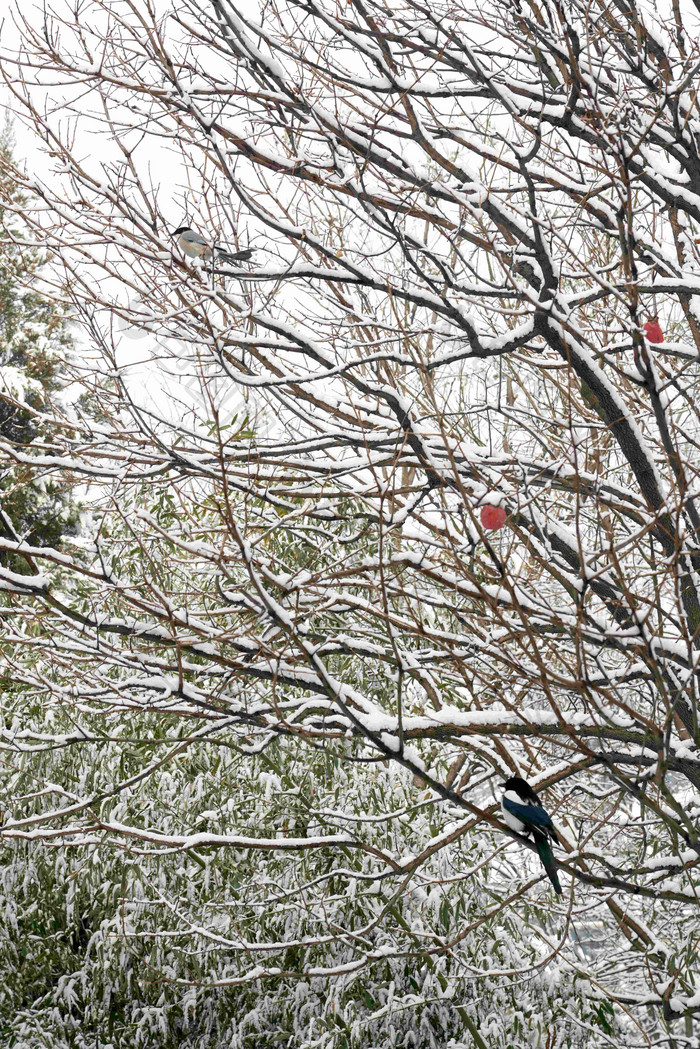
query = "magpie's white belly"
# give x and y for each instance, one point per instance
(194, 250)
(512, 821)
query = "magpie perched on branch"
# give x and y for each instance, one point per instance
(524, 814)
(197, 247)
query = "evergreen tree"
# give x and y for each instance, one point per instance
(34, 341)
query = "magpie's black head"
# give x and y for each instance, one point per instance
(182, 229)
(519, 785)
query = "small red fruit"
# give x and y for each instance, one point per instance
(493, 517)
(652, 330)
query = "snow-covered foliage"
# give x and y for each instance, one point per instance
(227, 946)
(255, 717)
(34, 342)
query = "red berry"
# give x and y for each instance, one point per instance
(652, 330)
(493, 517)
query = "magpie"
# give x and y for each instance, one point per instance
(196, 247)
(524, 814)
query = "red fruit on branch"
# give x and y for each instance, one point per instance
(493, 517)
(652, 330)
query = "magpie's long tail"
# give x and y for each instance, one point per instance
(544, 850)
(235, 258)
